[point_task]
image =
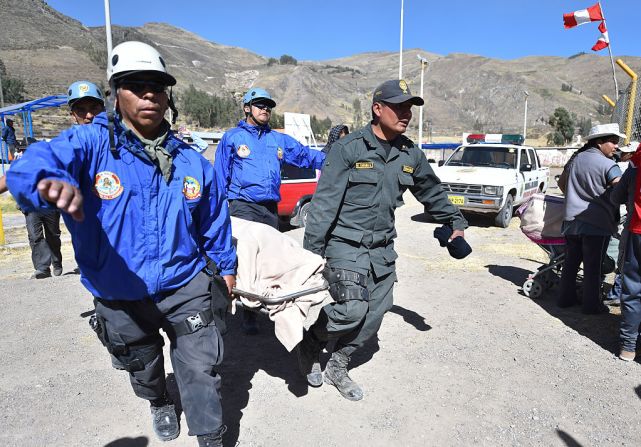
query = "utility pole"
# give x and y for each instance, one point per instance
(1, 93)
(423, 62)
(525, 116)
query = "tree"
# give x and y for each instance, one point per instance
(563, 125)
(277, 121)
(12, 88)
(320, 127)
(271, 61)
(584, 124)
(209, 110)
(286, 59)
(357, 118)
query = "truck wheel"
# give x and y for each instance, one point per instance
(504, 216)
(302, 214)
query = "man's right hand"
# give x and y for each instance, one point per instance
(65, 196)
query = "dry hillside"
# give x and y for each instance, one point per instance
(463, 92)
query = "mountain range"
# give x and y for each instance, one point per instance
(463, 92)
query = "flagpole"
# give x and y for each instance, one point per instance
(108, 29)
(614, 76)
(400, 53)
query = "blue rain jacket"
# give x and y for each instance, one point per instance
(141, 236)
(249, 158)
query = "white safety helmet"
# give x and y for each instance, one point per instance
(135, 57)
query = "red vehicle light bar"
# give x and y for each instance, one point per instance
(480, 138)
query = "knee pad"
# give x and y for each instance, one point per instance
(345, 285)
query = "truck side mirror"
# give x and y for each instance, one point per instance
(441, 162)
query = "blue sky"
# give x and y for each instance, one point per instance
(327, 29)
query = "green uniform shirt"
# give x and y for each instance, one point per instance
(351, 218)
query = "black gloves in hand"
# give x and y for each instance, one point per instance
(457, 247)
(443, 234)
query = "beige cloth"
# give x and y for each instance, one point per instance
(273, 264)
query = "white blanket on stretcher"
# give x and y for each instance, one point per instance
(273, 264)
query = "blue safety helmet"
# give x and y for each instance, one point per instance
(257, 93)
(83, 89)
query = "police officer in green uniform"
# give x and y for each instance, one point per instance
(351, 224)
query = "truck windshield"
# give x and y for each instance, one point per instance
(493, 156)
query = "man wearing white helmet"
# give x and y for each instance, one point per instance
(152, 238)
(85, 101)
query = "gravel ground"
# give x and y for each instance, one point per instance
(463, 358)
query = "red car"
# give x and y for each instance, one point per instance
(296, 190)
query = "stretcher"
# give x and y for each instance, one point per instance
(279, 278)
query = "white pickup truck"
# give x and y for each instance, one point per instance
(492, 178)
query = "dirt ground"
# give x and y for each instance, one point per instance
(463, 358)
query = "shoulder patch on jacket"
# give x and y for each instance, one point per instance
(243, 151)
(191, 188)
(107, 185)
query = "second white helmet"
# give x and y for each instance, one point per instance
(135, 57)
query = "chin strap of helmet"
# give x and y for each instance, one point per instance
(172, 106)
(110, 106)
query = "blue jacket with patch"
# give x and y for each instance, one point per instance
(249, 158)
(141, 235)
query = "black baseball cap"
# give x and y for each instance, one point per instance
(395, 91)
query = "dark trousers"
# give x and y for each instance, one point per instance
(43, 229)
(631, 294)
(589, 250)
(193, 356)
(264, 212)
(354, 322)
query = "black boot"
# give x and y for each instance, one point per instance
(336, 374)
(212, 439)
(164, 419)
(308, 353)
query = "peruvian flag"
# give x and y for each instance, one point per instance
(604, 40)
(576, 18)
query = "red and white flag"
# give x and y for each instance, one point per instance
(604, 40)
(576, 18)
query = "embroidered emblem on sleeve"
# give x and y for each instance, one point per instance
(107, 185)
(279, 152)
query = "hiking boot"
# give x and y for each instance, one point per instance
(308, 353)
(627, 356)
(165, 422)
(57, 271)
(212, 439)
(39, 274)
(250, 323)
(336, 374)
